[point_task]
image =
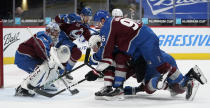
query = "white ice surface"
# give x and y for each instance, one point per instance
(85, 99)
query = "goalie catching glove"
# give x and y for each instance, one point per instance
(58, 56)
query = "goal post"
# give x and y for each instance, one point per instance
(1, 55)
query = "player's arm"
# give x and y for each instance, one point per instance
(86, 33)
(45, 45)
(60, 18)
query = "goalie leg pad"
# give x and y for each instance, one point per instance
(41, 75)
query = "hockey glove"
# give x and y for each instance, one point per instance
(92, 75)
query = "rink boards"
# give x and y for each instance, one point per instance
(180, 42)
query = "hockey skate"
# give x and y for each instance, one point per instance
(117, 94)
(23, 92)
(197, 74)
(103, 92)
(191, 89)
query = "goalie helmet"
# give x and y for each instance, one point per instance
(53, 30)
(117, 13)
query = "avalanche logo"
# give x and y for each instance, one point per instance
(158, 6)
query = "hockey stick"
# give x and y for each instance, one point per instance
(85, 62)
(97, 32)
(41, 92)
(100, 74)
(36, 41)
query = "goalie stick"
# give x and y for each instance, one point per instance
(50, 95)
(43, 93)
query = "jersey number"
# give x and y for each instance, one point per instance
(129, 23)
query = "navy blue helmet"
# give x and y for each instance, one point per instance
(74, 18)
(101, 14)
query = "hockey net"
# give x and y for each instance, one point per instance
(1, 55)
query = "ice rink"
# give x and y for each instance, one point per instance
(85, 99)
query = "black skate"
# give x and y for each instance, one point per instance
(117, 94)
(192, 87)
(103, 92)
(23, 92)
(197, 74)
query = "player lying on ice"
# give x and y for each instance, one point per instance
(137, 40)
(44, 56)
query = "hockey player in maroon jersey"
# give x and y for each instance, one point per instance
(109, 73)
(135, 40)
(75, 26)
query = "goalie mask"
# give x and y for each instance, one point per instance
(95, 42)
(53, 30)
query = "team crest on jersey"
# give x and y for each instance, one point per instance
(159, 6)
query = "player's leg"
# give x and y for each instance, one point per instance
(108, 81)
(196, 77)
(175, 77)
(137, 69)
(75, 56)
(120, 76)
(178, 83)
(27, 64)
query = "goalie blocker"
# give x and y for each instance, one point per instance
(45, 72)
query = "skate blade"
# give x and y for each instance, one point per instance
(114, 98)
(198, 71)
(99, 98)
(194, 91)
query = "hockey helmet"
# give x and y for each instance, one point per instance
(117, 13)
(86, 11)
(73, 18)
(101, 14)
(53, 30)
